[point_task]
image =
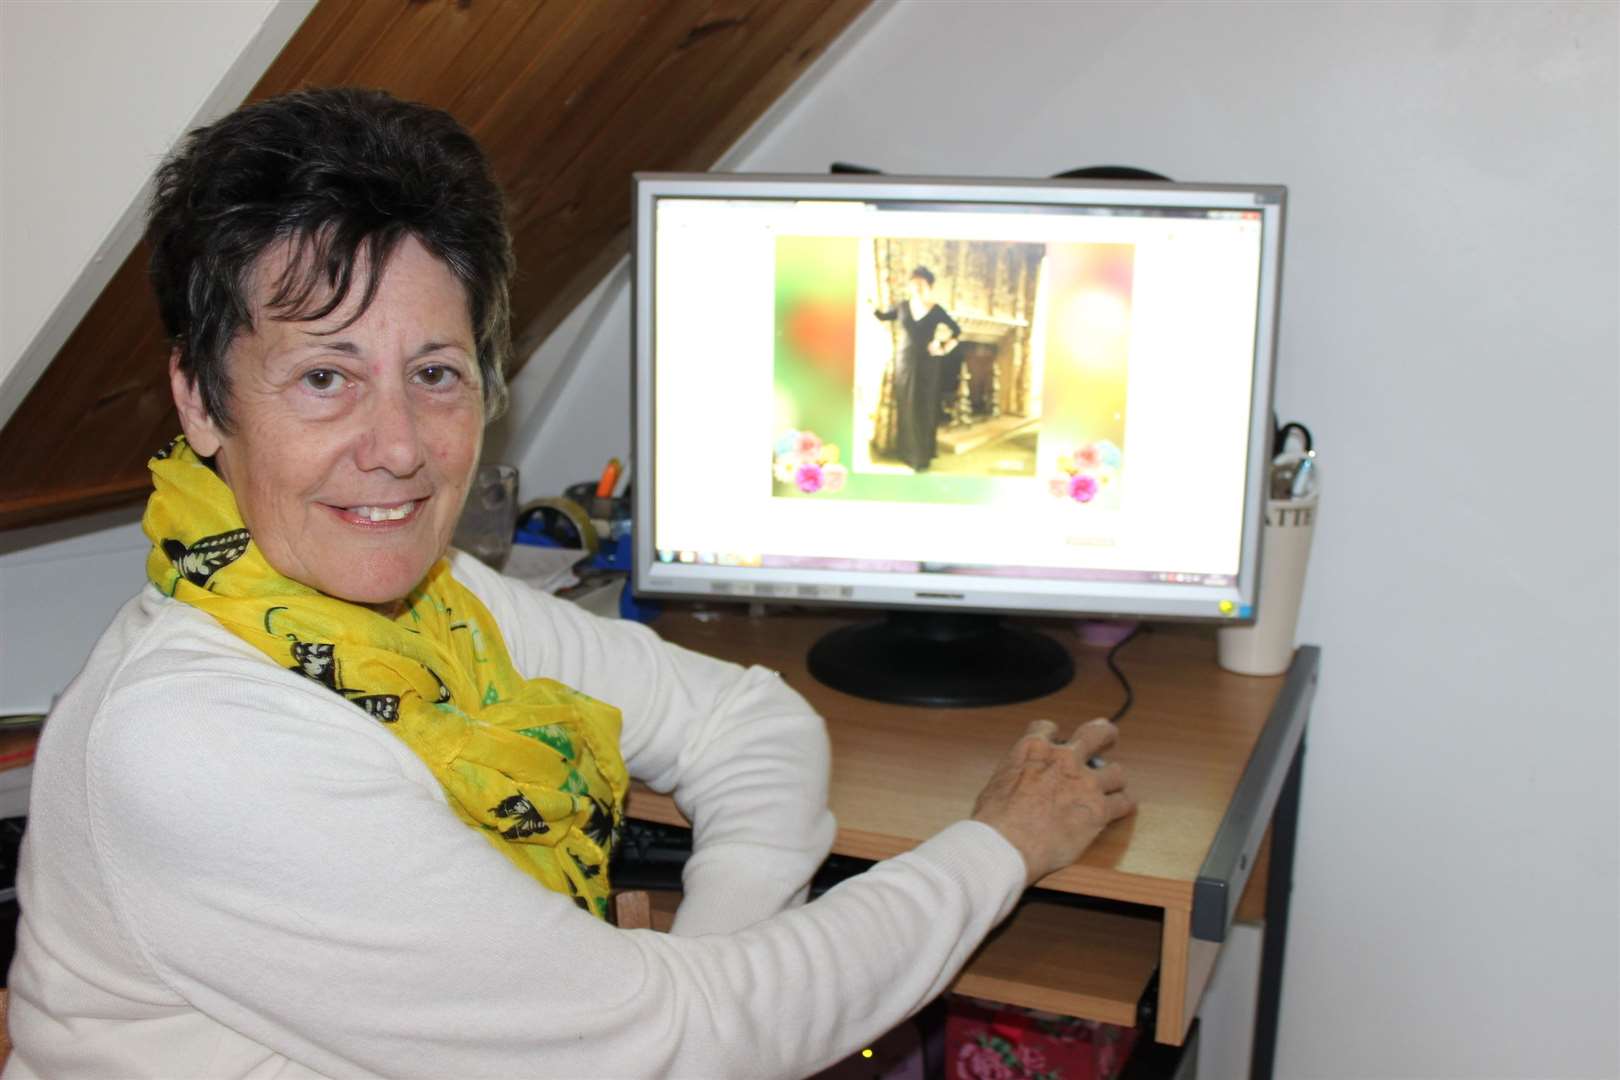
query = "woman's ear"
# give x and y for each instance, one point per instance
(201, 430)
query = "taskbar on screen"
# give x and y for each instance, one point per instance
(897, 566)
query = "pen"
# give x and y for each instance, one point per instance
(1304, 479)
(610, 477)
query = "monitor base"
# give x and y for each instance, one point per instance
(941, 660)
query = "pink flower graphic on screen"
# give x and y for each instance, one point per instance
(1083, 474)
(801, 459)
(1082, 488)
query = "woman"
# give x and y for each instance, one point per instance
(918, 369)
(329, 799)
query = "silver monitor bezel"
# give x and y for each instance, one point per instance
(956, 592)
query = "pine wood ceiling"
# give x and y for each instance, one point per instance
(568, 97)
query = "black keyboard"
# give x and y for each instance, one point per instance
(652, 856)
(11, 832)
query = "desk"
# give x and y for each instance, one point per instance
(1211, 757)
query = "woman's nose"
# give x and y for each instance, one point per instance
(392, 439)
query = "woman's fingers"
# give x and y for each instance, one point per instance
(1041, 729)
(1118, 805)
(1093, 737)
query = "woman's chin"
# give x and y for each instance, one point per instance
(381, 584)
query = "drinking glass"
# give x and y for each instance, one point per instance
(490, 516)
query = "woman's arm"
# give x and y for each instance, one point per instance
(744, 755)
(289, 869)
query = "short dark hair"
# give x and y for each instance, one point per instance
(343, 175)
(924, 273)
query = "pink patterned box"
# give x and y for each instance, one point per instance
(986, 1041)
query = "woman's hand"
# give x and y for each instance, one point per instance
(1048, 801)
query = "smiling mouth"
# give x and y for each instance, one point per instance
(379, 513)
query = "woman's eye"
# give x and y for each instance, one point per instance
(437, 375)
(323, 381)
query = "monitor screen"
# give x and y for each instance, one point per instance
(1044, 397)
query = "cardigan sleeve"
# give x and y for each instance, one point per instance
(287, 867)
(744, 755)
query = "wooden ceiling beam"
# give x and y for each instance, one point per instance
(568, 98)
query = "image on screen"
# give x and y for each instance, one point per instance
(882, 393)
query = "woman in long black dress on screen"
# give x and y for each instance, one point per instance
(918, 369)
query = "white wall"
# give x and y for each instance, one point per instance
(92, 94)
(1449, 332)
(59, 587)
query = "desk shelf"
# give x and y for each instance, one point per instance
(1095, 965)
(1075, 962)
(1061, 957)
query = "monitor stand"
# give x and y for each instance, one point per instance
(941, 659)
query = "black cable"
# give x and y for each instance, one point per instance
(1284, 431)
(1130, 695)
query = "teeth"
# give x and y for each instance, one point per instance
(381, 513)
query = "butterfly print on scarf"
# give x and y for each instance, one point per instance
(444, 691)
(601, 827)
(573, 893)
(526, 820)
(199, 562)
(318, 661)
(384, 707)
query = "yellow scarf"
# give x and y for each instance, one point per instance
(530, 763)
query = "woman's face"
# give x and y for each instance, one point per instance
(352, 448)
(921, 291)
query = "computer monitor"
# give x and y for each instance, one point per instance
(949, 399)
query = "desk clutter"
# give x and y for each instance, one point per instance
(963, 1038)
(576, 545)
(984, 1039)
(1266, 646)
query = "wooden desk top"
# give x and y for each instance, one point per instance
(900, 774)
